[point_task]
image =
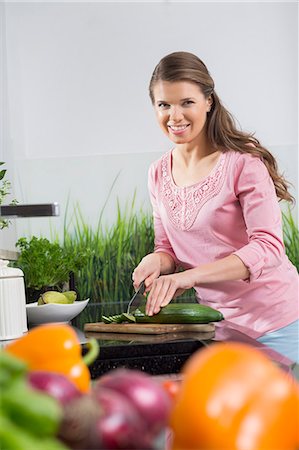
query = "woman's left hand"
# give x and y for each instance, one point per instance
(165, 288)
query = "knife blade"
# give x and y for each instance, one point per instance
(137, 298)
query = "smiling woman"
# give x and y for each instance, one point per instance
(182, 117)
(216, 213)
(181, 109)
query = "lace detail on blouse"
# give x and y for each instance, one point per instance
(184, 204)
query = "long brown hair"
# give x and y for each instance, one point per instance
(221, 127)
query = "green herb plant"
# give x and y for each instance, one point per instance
(47, 264)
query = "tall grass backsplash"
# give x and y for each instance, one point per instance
(291, 237)
(112, 255)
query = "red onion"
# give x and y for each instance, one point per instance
(119, 426)
(148, 397)
(54, 384)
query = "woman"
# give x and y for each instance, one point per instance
(216, 212)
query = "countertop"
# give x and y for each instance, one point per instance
(167, 353)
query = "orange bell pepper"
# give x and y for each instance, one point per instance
(233, 397)
(56, 348)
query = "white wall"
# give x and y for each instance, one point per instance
(75, 79)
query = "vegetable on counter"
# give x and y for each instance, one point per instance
(104, 420)
(233, 397)
(42, 409)
(78, 427)
(64, 298)
(29, 419)
(54, 384)
(147, 395)
(43, 398)
(121, 425)
(172, 313)
(126, 409)
(56, 348)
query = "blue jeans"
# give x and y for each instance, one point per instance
(285, 341)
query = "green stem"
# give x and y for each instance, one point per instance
(94, 350)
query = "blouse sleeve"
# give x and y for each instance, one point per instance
(256, 193)
(162, 243)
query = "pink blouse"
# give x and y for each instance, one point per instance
(234, 210)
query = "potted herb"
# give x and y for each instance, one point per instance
(46, 265)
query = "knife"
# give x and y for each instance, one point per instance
(137, 298)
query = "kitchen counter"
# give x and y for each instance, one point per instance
(166, 353)
(157, 358)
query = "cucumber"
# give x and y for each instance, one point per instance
(119, 318)
(172, 313)
(180, 313)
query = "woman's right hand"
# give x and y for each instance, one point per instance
(147, 270)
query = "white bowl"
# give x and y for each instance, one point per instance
(54, 312)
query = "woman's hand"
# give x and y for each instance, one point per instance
(147, 270)
(167, 287)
